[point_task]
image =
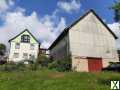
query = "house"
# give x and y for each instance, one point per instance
(43, 51)
(24, 46)
(88, 41)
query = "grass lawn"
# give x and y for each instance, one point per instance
(52, 80)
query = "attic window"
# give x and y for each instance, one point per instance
(25, 38)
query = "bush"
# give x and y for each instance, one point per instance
(53, 65)
(30, 64)
(19, 66)
(10, 66)
(43, 60)
(61, 65)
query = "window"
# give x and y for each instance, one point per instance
(16, 55)
(17, 46)
(32, 46)
(25, 55)
(25, 38)
(32, 57)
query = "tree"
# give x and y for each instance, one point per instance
(43, 60)
(116, 8)
(2, 49)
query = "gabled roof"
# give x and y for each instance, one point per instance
(23, 32)
(69, 27)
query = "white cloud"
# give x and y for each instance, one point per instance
(5, 5)
(115, 27)
(44, 29)
(69, 7)
(11, 2)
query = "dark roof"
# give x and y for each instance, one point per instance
(118, 51)
(23, 32)
(69, 27)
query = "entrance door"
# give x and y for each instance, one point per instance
(94, 64)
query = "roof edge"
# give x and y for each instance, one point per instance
(69, 27)
(23, 32)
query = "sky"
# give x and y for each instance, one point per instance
(46, 19)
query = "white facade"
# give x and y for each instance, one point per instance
(89, 37)
(21, 50)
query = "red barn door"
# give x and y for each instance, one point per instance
(94, 64)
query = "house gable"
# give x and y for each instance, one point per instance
(65, 31)
(92, 25)
(89, 34)
(17, 38)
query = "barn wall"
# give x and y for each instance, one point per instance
(61, 49)
(91, 39)
(79, 64)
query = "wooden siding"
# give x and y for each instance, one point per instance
(91, 39)
(61, 49)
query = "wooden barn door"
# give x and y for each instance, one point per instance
(94, 64)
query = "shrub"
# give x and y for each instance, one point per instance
(53, 65)
(30, 64)
(19, 66)
(43, 60)
(10, 66)
(61, 65)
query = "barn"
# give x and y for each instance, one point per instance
(88, 41)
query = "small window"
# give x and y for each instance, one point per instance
(16, 55)
(17, 46)
(32, 57)
(25, 55)
(32, 46)
(25, 38)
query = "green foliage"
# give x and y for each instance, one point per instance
(53, 65)
(61, 65)
(58, 65)
(11, 66)
(2, 49)
(52, 80)
(116, 8)
(20, 66)
(43, 60)
(33, 66)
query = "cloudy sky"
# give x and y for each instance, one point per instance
(47, 18)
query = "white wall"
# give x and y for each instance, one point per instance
(24, 48)
(91, 39)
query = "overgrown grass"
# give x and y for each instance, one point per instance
(52, 80)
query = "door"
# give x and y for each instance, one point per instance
(94, 64)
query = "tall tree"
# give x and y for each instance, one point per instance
(2, 49)
(116, 8)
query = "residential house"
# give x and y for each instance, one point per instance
(88, 41)
(43, 51)
(24, 46)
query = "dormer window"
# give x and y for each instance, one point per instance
(25, 38)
